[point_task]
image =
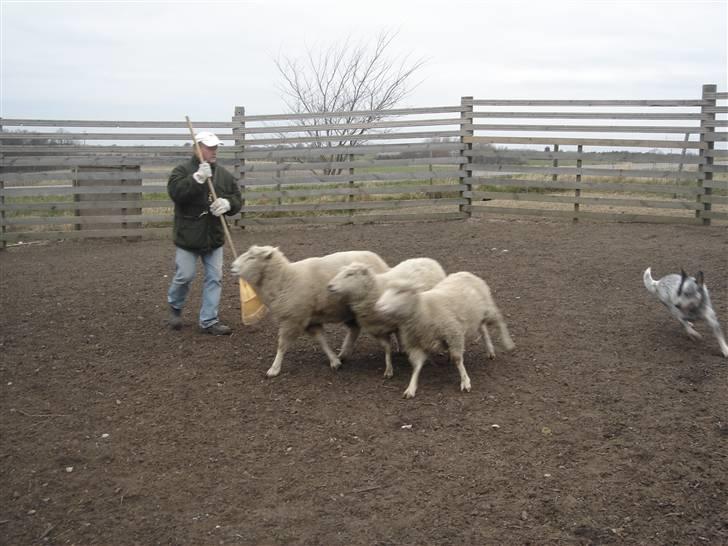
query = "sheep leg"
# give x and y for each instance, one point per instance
(334, 361)
(457, 359)
(488, 342)
(505, 336)
(352, 334)
(417, 358)
(284, 341)
(387, 346)
(494, 316)
(396, 342)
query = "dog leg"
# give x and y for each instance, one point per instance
(689, 330)
(712, 321)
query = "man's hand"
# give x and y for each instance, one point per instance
(203, 173)
(219, 206)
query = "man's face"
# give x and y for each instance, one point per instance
(209, 153)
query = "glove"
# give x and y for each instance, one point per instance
(219, 206)
(203, 173)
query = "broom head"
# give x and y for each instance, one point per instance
(251, 308)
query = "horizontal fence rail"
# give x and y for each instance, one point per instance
(623, 160)
(557, 158)
(363, 166)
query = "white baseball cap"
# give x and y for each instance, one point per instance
(208, 139)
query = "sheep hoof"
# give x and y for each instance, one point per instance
(272, 372)
(335, 364)
(408, 394)
(491, 356)
(388, 374)
(465, 387)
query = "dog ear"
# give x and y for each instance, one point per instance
(683, 277)
(699, 278)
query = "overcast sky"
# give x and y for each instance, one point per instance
(164, 60)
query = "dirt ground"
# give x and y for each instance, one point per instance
(606, 425)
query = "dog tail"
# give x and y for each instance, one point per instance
(650, 283)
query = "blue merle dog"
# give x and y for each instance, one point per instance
(688, 300)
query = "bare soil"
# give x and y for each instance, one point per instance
(606, 425)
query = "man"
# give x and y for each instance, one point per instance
(198, 232)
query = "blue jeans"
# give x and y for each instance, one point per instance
(185, 263)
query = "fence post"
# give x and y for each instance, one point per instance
(466, 173)
(239, 158)
(577, 191)
(555, 164)
(3, 242)
(350, 197)
(707, 141)
(682, 162)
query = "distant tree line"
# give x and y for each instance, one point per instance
(51, 141)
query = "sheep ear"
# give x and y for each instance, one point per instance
(269, 254)
(683, 274)
(699, 278)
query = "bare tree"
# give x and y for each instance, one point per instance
(340, 81)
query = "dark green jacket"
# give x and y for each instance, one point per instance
(195, 227)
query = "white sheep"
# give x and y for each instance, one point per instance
(296, 294)
(443, 318)
(360, 287)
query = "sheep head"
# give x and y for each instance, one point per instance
(252, 264)
(353, 280)
(398, 300)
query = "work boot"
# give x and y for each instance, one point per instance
(217, 329)
(175, 318)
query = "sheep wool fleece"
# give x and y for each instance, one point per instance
(195, 228)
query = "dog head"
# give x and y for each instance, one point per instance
(690, 293)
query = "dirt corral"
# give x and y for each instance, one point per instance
(606, 425)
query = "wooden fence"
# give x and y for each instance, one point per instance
(63, 179)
